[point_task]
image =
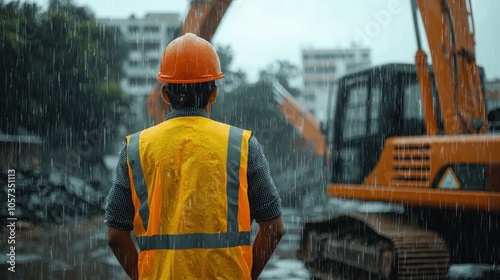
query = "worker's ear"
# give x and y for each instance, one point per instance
(213, 95)
(164, 94)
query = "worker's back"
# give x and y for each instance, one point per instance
(193, 207)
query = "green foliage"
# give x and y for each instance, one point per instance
(61, 71)
(283, 71)
(233, 78)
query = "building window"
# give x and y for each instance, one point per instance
(133, 29)
(141, 81)
(329, 56)
(151, 46)
(133, 62)
(320, 69)
(171, 31)
(153, 62)
(151, 28)
(134, 46)
(351, 66)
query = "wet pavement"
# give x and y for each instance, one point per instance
(80, 251)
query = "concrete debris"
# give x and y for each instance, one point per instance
(51, 198)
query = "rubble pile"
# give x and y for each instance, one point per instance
(46, 198)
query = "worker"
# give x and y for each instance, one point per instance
(190, 187)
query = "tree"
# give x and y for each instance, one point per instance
(61, 71)
(284, 72)
(233, 78)
(17, 28)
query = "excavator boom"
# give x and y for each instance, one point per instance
(460, 95)
(203, 17)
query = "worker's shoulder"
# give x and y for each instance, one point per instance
(229, 125)
(139, 132)
(158, 128)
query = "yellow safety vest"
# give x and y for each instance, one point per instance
(189, 188)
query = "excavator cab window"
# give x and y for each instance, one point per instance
(357, 127)
(356, 110)
(409, 116)
(404, 109)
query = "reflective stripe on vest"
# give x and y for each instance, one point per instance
(141, 190)
(231, 238)
(194, 241)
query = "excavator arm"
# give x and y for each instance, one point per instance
(456, 73)
(204, 17)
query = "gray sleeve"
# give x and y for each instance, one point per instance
(265, 203)
(120, 208)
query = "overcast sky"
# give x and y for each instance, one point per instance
(262, 31)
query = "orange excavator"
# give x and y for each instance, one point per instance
(410, 135)
(417, 137)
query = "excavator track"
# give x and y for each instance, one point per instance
(373, 246)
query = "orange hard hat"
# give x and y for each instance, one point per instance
(189, 59)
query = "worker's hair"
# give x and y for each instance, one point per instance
(190, 95)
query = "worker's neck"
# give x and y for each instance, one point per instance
(207, 109)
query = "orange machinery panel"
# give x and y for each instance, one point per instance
(409, 168)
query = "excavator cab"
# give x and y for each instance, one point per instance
(381, 151)
(371, 106)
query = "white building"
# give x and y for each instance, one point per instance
(147, 38)
(321, 68)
